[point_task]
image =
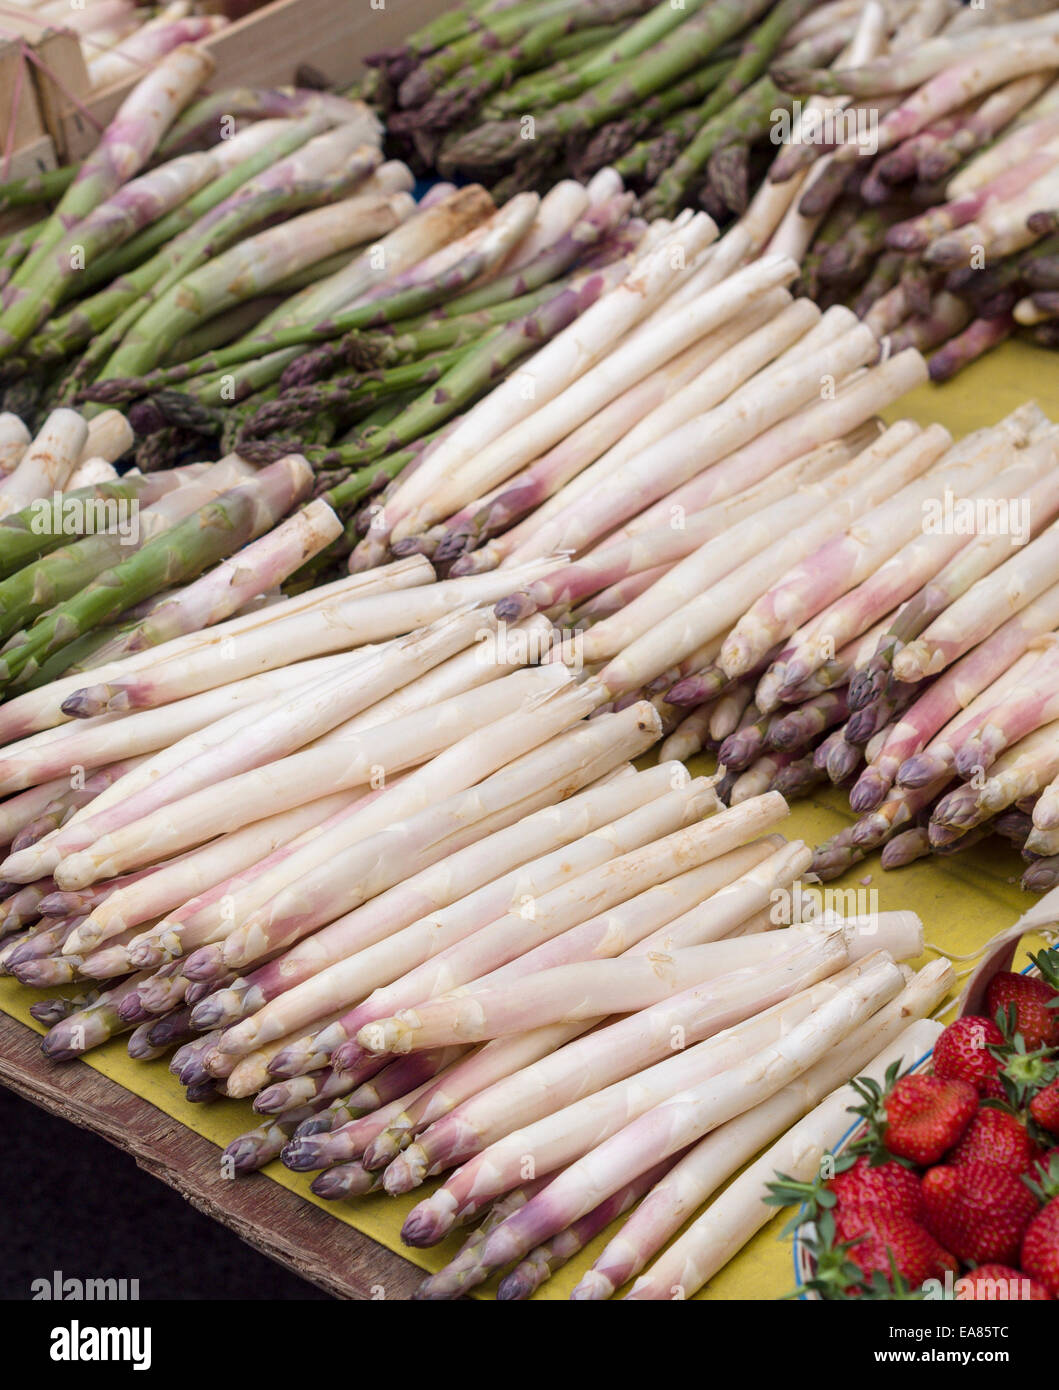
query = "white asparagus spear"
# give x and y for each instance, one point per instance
(490, 871)
(594, 893)
(374, 961)
(43, 709)
(660, 1108)
(109, 437)
(619, 931)
(591, 988)
(229, 586)
(685, 1117)
(717, 557)
(706, 440)
(279, 725)
(616, 559)
(858, 398)
(14, 437)
(981, 609)
(47, 462)
(511, 1084)
(95, 742)
(642, 351)
(355, 860)
(332, 626)
(568, 356)
(1031, 482)
(283, 783)
(846, 560)
(172, 884)
(91, 472)
(574, 758)
(733, 905)
(490, 655)
(750, 351)
(734, 1216)
(714, 610)
(607, 438)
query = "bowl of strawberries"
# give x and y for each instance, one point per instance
(947, 1183)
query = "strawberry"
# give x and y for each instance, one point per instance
(890, 1185)
(876, 1234)
(1030, 998)
(1044, 1107)
(999, 1282)
(977, 1210)
(996, 1136)
(1040, 1243)
(962, 1052)
(926, 1115)
(1040, 1246)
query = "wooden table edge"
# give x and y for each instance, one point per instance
(275, 1221)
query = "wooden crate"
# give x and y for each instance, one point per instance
(274, 1220)
(24, 140)
(266, 48)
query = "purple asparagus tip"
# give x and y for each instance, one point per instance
(413, 545)
(300, 1155)
(685, 692)
(131, 1009)
(424, 1226)
(314, 1124)
(868, 791)
(140, 1048)
(85, 704)
(244, 1154)
(205, 963)
(347, 1057)
(287, 1064)
(513, 1287)
(329, 1184)
(452, 546)
(271, 1100)
(515, 607)
(48, 1011)
(57, 1044)
(914, 772)
(202, 1092)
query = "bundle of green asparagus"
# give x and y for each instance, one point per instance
(917, 175)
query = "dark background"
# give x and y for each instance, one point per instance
(70, 1201)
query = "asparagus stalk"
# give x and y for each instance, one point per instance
(181, 552)
(726, 1225)
(126, 145)
(691, 1113)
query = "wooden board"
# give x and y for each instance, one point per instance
(277, 1222)
(266, 48)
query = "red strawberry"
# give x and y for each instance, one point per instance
(996, 1136)
(1038, 1024)
(877, 1233)
(962, 1052)
(926, 1115)
(1044, 1107)
(890, 1185)
(1040, 1246)
(977, 1210)
(999, 1282)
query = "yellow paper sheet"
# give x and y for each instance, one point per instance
(963, 900)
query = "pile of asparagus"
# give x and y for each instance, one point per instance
(933, 213)
(119, 39)
(394, 814)
(324, 844)
(883, 110)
